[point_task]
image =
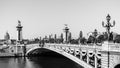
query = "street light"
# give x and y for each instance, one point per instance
(108, 26)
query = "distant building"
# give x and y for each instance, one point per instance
(7, 36)
(7, 40)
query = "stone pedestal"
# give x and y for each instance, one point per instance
(114, 54)
(19, 50)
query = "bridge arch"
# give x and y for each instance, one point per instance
(38, 51)
(63, 53)
(32, 49)
(117, 66)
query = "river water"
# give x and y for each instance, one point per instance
(38, 62)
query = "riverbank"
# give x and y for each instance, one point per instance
(11, 55)
(7, 55)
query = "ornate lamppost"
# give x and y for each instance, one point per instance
(108, 26)
(66, 30)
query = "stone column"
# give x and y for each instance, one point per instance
(81, 55)
(24, 50)
(104, 53)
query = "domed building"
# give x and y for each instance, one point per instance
(7, 36)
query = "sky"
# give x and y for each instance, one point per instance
(46, 17)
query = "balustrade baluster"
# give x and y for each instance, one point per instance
(87, 57)
(95, 60)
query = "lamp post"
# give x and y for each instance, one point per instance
(95, 33)
(108, 26)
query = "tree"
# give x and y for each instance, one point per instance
(91, 39)
(36, 40)
(69, 37)
(55, 38)
(83, 40)
(117, 39)
(80, 35)
(100, 38)
(74, 41)
(104, 37)
(61, 38)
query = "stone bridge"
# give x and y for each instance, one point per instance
(106, 55)
(85, 55)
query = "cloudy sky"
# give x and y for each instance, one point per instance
(44, 17)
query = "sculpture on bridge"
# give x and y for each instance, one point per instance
(93, 37)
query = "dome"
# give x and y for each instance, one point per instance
(7, 36)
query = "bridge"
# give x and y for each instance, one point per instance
(85, 55)
(88, 56)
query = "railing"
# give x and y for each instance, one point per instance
(109, 46)
(78, 49)
(81, 52)
(76, 46)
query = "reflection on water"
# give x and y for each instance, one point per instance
(37, 62)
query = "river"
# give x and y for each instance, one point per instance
(38, 62)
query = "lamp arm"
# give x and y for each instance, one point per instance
(103, 24)
(113, 24)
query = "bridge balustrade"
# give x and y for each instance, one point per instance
(82, 52)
